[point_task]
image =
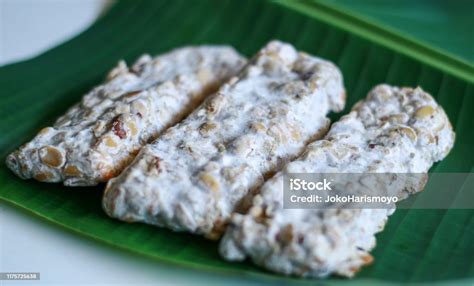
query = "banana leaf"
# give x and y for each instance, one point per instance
(416, 246)
(430, 21)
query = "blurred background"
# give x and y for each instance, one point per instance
(28, 27)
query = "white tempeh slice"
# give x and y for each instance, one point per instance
(194, 176)
(99, 136)
(394, 130)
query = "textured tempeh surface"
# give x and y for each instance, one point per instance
(394, 130)
(200, 171)
(99, 136)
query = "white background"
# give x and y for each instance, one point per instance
(28, 244)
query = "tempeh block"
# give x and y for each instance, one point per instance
(200, 171)
(99, 136)
(394, 130)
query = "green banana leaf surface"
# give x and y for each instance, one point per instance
(444, 24)
(416, 245)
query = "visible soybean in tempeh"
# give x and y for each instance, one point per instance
(394, 130)
(98, 137)
(194, 176)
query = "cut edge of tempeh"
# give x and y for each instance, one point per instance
(99, 136)
(197, 173)
(317, 243)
